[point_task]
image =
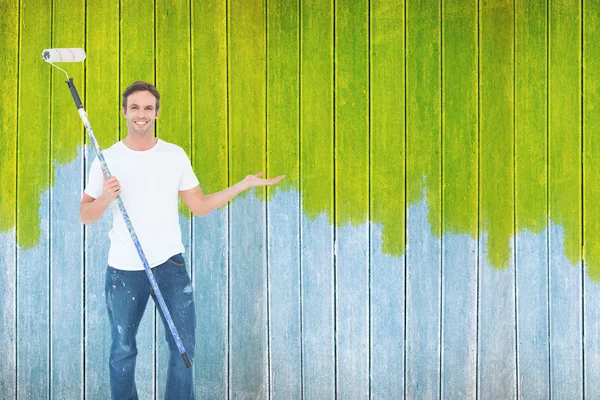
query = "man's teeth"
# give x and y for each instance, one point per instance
(141, 122)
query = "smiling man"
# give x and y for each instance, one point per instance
(150, 175)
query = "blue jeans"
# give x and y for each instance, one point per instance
(127, 294)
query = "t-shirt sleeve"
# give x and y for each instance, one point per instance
(188, 177)
(95, 184)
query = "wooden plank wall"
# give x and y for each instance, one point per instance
(436, 236)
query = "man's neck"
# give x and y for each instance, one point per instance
(140, 144)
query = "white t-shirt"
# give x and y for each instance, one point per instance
(150, 184)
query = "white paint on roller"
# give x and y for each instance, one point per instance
(63, 55)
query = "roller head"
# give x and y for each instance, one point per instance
(63, 55)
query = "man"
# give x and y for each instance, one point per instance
(149, 174)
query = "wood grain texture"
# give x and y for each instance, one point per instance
(565, 199)
(283, 210)
(591, 195)
(173, 73)
(102, 99)
(33, 169)
(284, 296)
(8, 322)
(430, 148)
(137, 49)
(318, 309)
(9, 56)
(316, 184)
(66, 230)
(423, 198)
(531, 206)
(496, 314)
(352, 198)
(210, 266)
(248, 334)
(138, 61)
(210, 240)
(387, 122)
(460, 198)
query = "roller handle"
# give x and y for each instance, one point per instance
(74, 93)
(186, 360)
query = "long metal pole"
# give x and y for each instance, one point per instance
(136, 242)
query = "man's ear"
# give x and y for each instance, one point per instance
(157, 113)
(124, 113)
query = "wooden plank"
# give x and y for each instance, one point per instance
(531, 243)
(591, 211)
(565, 197)
(423, 195)
(248, 342)
(210, 161)
(352, 198)
(9, 47)
(460, 192)
(496, 327)
(8, 347)
(387, 198)
(102, 99)
(33, 180)
(66, 230)
(9, 57)
(137, 63)
(283, 218)
(173, 81)
(137, 49)
(316, 171)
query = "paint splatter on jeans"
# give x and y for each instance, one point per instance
(127, 294)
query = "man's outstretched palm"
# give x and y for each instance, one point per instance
(256, 180)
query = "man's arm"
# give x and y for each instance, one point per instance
(91, 209)
(200, 204)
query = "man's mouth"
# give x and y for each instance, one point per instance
(141, 123)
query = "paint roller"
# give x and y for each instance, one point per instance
(61, 55)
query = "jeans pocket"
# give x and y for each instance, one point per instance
(178, 260)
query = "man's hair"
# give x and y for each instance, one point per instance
(140, 86)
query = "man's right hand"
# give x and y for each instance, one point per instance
(112, 188)
(91, 209)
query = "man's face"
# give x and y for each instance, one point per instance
(140, 113)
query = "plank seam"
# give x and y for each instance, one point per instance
(582, 161)
(334, 229)
(441, 267)
(17, 208)
(228, 138)
(548, 236)
(155, 346)
(265, 191)
(50, 198)
(405, 269)
(369, 272)
(478, 234)
(514, 250)
(191, 122)
(300, 231)
(83, 170)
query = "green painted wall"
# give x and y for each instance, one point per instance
(448, 102)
